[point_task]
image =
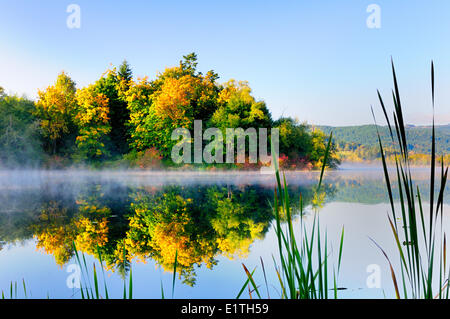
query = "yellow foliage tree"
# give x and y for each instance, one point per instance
(55, 108)
(93, 121)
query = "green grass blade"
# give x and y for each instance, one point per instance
(174, 273)
(130, 286)
(252, 281)
(97, 294)
(245, 285)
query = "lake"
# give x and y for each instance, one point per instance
(213, 221)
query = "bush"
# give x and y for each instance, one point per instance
(149, 159)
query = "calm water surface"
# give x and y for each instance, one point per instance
(216, 222)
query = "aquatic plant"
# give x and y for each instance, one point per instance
(304, 261)
(419, 237)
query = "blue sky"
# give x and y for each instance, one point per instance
(314, 60)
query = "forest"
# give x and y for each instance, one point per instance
(120, 121)
(360, 144)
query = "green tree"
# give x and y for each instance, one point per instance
(295, 138)
(111, 86)
(125, 72)
(20, 133)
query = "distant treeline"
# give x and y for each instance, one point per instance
(122, 121)
(360, 143)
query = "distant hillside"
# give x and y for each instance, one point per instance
(419, 137)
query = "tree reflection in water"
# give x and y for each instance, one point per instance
(199, 223)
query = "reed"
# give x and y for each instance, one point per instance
(304, 260)
(419, 236)
(89, 291)
(14, 291)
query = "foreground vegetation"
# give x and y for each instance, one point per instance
(304, 255)
(419, 236)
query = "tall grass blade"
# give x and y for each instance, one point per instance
(250, 277)
(245, 285)
(265, 277)
(130, 285)
(97, 294)
(424, 243)
(103, 271)
(174, 272)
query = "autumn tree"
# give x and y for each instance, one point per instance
(135, 118)
(319, 144)
(163, 226)
(92, 119)
(55, 231)
(238, 108)
(196, 224)
(55, 108)
(236, 222)
(173, 100)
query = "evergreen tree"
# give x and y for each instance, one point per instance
(110, 85)
(125, 72)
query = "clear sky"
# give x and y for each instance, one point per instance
(314, 60)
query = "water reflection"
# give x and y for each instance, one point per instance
(125, 223)
(155, 217)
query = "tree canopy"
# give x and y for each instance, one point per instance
(130, 120)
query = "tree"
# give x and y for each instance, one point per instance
(174, 99)
(20, 133)
(189, 63)
(139, 100)
(125, 73)
(113, 85)
(56, 108)
(238, 108)
(93, 122)
(55, 231)
(196, 225)
(319, 143)
(295, 138)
